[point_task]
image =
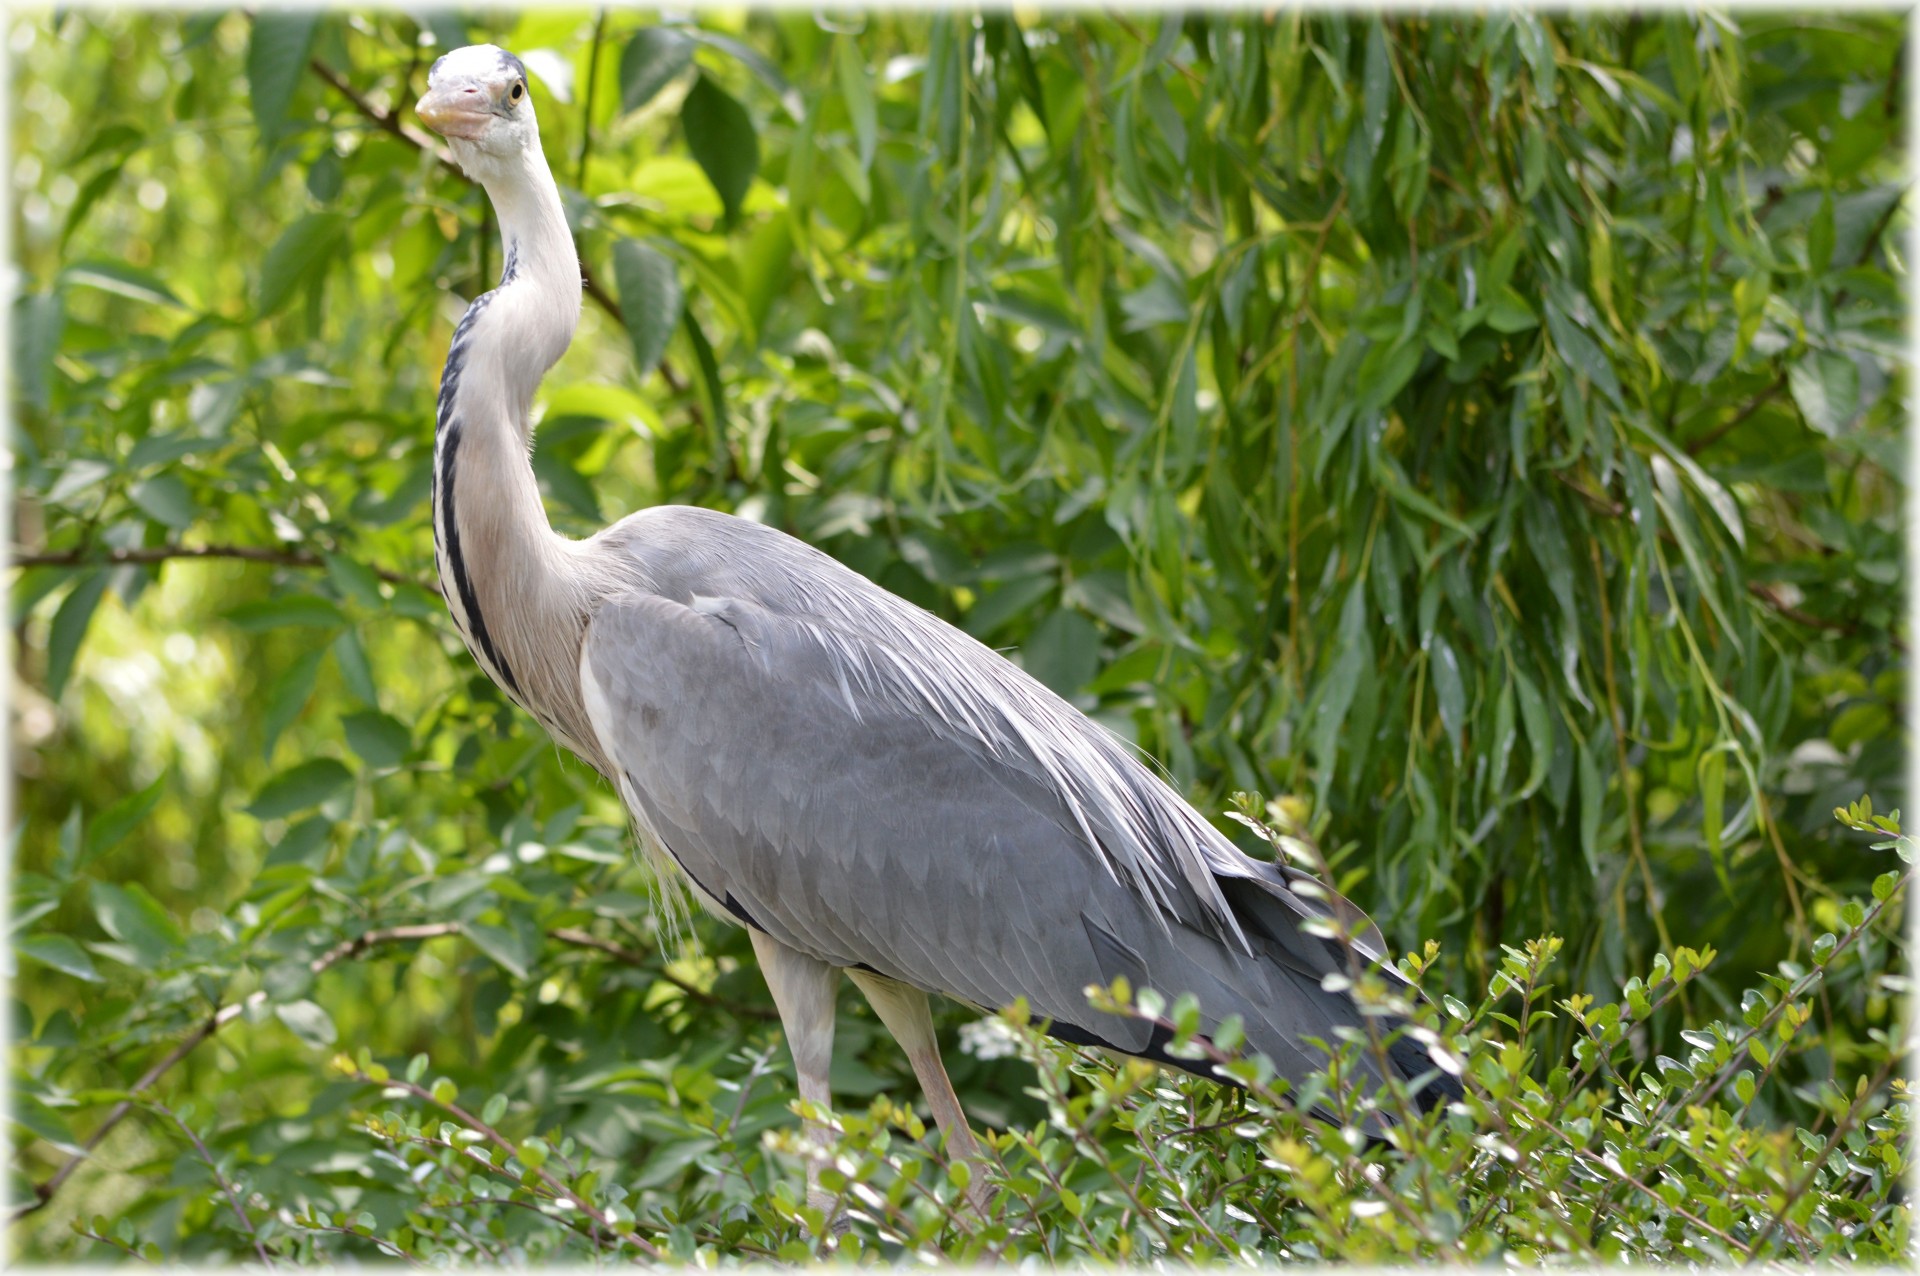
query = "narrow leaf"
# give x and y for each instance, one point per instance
(650, 299)
(302, 247)
(69, 628)
(59, 953)
(276, 63)
(652, 58)
(113, 824)
(723, 142)
(308, 784)
(136, 919)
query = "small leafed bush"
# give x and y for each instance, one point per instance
(1574, 1140)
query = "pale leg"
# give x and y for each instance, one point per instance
(903, 1010)
(803, 989)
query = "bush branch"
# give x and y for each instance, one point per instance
(145, 555)
(348, 949)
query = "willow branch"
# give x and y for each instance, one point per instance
(144, 555)
(1713, 436)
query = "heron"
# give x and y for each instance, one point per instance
(865, 788)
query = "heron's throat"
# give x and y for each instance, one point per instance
(506, 575)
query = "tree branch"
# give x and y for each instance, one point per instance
(1713, 436)
(385, 120)
(580, 938)
(149, 554)
(226, 1184)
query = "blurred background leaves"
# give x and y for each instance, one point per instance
(1485, 436)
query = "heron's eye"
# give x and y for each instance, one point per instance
(519, 90)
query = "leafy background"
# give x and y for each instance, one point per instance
(1482, 438)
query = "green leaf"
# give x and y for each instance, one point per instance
(1584, 353)
(652, 58)
(1592, 802)
(650, 299)
(1826, 389)
(856, 90)
(300, 787)
(60, 953)
(1352, 661)
(721, 137)
(112, 825)
(505, 946)
(1713, 806)
(165, 499)
(1377, 87)
(288, 610)
(1450, 691)
(380, 740)
(308, 1021)
(351, 660)
(1530, 33)
(37, 1119)
(136, 919)
(1509, 313)
(301, 248)
(70, 627)
(276, 64)
(1504, 734)
(39, 318)
(121, 280)
(289, 695)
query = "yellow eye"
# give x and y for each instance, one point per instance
(518, 91)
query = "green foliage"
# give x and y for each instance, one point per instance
(1482, 434)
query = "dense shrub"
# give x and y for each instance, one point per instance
(1484, 435)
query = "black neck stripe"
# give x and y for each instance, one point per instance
(449, 430)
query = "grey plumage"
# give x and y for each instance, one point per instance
(864, 787)
(873, 787)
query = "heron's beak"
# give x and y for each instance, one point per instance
(455, 111)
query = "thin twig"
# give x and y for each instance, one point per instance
(149, 554)
(500, 1140)
(387, 121)
(586, 115)
(1711, 437)
(226, 1184)
(633, 957)
(343, 951)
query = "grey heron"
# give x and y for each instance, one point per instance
(865, 788)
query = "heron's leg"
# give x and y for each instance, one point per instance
(803, 989)
(903, 1009)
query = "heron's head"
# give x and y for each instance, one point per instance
(478, 99)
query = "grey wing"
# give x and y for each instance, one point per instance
(854, 828)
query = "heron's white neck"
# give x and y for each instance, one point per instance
(510, 581)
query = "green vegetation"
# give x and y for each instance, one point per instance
(1482, 438)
